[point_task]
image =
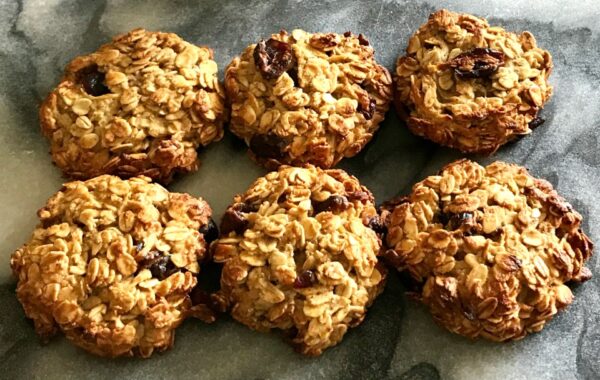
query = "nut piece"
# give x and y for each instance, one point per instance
(468, 85)
(299, 255)
(112, 263)
(307, 98)
(140, 105)
(492, 249)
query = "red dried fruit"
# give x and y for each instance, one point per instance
(273, 58)
(376, 224)
(92, 81)
(334, 203)
(210, 231)
(536, 122)
(159, 265)
(305, 279)
(477, 63)
(234, 218)
(268, 146)
(361, 196)
(368, 109)
(363, 40)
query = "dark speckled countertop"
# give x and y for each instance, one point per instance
(398, 339)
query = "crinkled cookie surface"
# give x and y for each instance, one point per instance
(491, 250)
(471, 86)
(299, 254)
(307, 98)
(140, 105)
(112, 264)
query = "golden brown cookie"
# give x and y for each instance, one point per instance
(140, 105)
(300, 255)
(492, 250)
(112, 264)
(307, 98)
(471, 86)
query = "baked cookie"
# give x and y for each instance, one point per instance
(471, 86)
(491, 250)
(140, 105)
(300, 255)
(307, 98)
(112, 264)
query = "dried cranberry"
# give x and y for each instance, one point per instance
(361, 196)
(93, 81)
(234, 218)
(305, 279)
(477, 63)
(210, 231)
(160, 266)
(268, 146)
(348, 34)
(376, 224)
(536, 122)
(273, 58)
(367, 110)
(363, 40)
(334, 203)
(459, 220)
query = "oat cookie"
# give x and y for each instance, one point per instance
(300, 250)
(471, 86)
(112, 264)
(307, 98)
(491, 250)
(140, 105)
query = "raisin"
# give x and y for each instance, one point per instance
(348, 34)
(367, 110)
(305, 279)
(334, 203)
(376, 224)
(92, 81)
(210, 231)
(268, 146)
(477, 63)
(160, 266)
(273, 58)
(234, 218)
(361, 196)
(363, 40)
(536, 122)
(462, 220)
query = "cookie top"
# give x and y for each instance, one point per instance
(307, 98)
(492, 250)
(140, 105)
(112, 263)
(471, 86)
(300, 255)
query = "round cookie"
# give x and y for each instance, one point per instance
(112, 264)
(300, 250)
(140, 105)
(491, 250)
(471, 86)
(307, 98)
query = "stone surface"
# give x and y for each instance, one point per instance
(398, 340)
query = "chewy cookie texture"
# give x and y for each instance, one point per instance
(140, 105)
(113, 263)
(491, 250)
(307, 98)
(299, 253)
(471, 86)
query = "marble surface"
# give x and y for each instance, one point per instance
(398, 340)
